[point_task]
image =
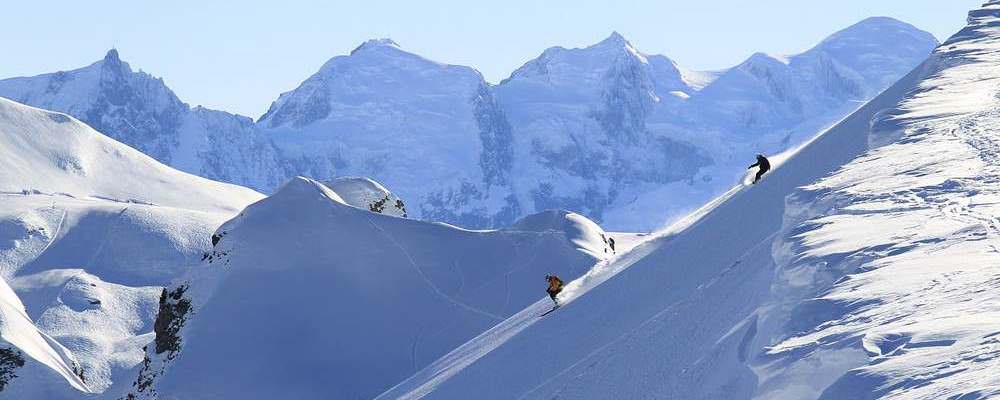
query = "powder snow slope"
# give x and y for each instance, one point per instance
(863, 267)
(305, 296)
(90, 231)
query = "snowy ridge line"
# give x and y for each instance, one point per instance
(428, 280)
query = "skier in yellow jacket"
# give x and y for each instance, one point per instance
(555, 286)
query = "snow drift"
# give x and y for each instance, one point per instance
(847, 273)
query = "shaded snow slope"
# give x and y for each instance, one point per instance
(141, 111)
(847, 273)
(305, 297)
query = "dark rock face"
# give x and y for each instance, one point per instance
(174, 310)
(10, 360)
(136, 109)
(497, 157)
(308, 104)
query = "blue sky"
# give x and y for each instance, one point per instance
(238, 56)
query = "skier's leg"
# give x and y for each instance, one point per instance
(759, 175)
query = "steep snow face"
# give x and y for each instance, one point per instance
(140, 111)
(90, 229)
(305, 297)
(24, 346)
(431, 131)
(367, 194)
(862, 267)
(633, 140)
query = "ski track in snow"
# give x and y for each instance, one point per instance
(107, 237)
(647, 322)
(427, 279)
(55, 235)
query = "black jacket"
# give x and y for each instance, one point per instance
(762, 163)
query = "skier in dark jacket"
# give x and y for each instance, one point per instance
(764, 167)
(555, 286)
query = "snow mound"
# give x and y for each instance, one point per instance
(584, 233)
(306, 297)
(367, 194)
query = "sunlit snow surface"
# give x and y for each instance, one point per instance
(847, 273)
(90, 229)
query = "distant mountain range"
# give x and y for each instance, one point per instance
(628, 139)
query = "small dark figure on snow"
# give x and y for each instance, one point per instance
(555, 286)
(611, 242)
(764, 167)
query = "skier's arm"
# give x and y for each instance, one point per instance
(754, 165)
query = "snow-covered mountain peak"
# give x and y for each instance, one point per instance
(139, 110)
(593, 59)
(862, 47)
(616, 41)
(112, 58)
(376, 44)
(877, 29)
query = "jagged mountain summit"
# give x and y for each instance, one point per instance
(433, 132)
(862, 267)
(90, 230)
(629, 139)
(633, 140)
(605, 130)
(141, 111)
